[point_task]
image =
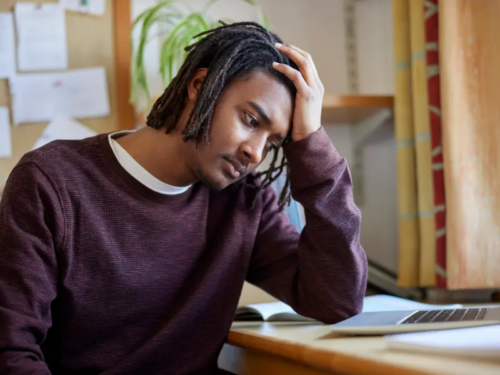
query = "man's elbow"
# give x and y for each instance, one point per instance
(345, 311)
(354, 308)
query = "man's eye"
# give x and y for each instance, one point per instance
(271, 146)
(251, 120)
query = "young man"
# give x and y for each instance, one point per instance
(126, 253)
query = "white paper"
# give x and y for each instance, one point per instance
(63, 127)
(41, 36)
(85, 6)
(78, 93)
(271, 308)
(481, 342)
(5, 139)
(7, 48)
(384, 302)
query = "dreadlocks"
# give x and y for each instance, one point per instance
(228, 52)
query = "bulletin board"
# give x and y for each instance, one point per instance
(92, 41)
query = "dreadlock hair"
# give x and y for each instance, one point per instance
(227, 52)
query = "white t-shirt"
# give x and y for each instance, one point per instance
(138, 172)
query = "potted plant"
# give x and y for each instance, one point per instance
(180, 25)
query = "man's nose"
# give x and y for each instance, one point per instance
(255, 149)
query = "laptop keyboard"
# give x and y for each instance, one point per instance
(438, 316)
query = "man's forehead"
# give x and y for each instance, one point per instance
(263, 87)
(265, 92)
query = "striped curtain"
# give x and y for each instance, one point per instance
(419, 155)
(434, 109)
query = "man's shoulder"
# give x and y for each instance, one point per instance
(58, 155)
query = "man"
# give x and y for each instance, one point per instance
(126, 253)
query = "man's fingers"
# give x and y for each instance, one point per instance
(312, 67)
(303, 62)
(295, 76)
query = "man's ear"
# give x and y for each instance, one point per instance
(194, 85)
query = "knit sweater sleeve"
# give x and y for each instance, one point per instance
(31, 227)
(322, 272)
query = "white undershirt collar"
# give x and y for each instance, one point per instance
(138, 171)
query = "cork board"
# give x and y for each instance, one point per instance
(90, 44)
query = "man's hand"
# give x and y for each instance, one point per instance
(310, 90)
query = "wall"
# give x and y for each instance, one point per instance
(317, 26)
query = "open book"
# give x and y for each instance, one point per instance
(281, 312)
(269, 312)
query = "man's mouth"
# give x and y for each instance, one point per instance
(234, 168)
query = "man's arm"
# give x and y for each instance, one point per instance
(30, 227)
(323, 273)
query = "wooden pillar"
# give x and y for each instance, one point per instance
(470, 97)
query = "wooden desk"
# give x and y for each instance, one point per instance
(300, 348)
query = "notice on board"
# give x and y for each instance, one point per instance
(41, 36)
(63, 127)
(96, 7)
(5, 138)
(7, 46)
(79, 93)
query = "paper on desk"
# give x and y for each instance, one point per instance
(41, 36)
(270, 308)
(89, 6)
(63, 127)
(7, 49)
(384, 302)
(78, 93)
(5, 139)
(480, 342)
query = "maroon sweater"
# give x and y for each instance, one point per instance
(100, 275)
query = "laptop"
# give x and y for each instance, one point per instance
(388, 322)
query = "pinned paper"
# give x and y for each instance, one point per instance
(5, 139)
(41, 36)
(96, 7)
(63, 127)
(78, 93)
(7, 49)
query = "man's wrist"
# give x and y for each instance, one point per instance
(300, 136)
(311, 158)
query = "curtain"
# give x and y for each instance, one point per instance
(421, 200)
(434, 110)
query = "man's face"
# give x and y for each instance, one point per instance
(251, 117)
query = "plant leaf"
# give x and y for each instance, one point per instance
(153, 9)
(172, 51)
(183, 26)
(138, 71)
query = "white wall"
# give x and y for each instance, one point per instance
(376, 76)
(317, 26)
(152, 52)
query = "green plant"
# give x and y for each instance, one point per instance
(180, 25)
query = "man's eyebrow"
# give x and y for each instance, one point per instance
(261, 112)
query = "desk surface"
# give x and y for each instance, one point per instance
(314, 345)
